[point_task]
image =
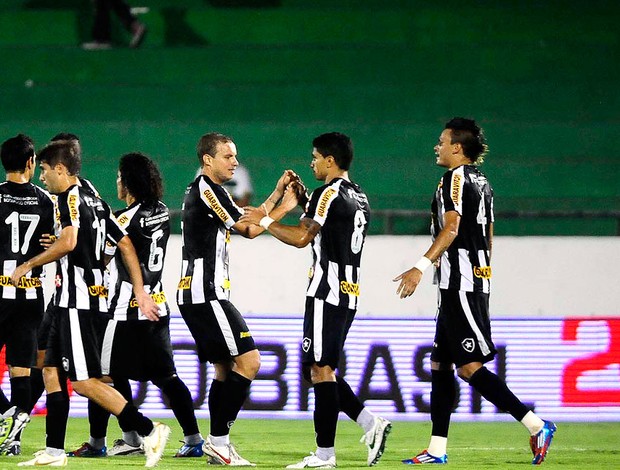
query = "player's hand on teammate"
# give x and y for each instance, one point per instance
(20, 272)
(47, 240)
(147, 306)
(252, 215)
(409, 281)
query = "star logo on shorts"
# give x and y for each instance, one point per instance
(65, 364)
(305, 344)
(468, 344)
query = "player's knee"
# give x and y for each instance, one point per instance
(248, 364)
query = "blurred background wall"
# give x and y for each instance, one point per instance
(540, 76)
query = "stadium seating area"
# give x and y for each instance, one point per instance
(540, 76)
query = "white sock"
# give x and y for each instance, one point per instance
(97, 443)
(132, 438)
(366, 420)
(438, 446)
(220, 441)
(193, 440)
(533, 423)
(54, 452)
(325, 453)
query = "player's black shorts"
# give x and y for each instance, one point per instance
(74, 343)
(45, 326)
(463, 331)
(325, 331)
(19, 321)
(219, 330)
(138, 350)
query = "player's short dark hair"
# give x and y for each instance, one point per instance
(208, 144)
(471, 137)
(140, 175)
(66, 152)
(338, 146)
(16, 152)
(68, 136)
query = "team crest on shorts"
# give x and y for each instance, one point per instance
(65, 364)
(468, 345)
(305, 344)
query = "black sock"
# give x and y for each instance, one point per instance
(123, 387)
(215, 398)
(326, 408)
(130, 419)
(181, 403)
(98, 418)
(443, 394)
(5, 404)
(349, 403)
(56, 420)
(235, 390)
(491, 387)
(20, 393)
(37, 387)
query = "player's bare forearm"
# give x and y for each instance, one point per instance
(296, 235)
(63, 245)
(410, 279)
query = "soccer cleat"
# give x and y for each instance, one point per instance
(424, 457)
(11, 423)
(43, 458)
(14, 449)
(120, 447)
(88, 451)
(191, 450)
(224, 455)
(375, 439)
(312, 461)
(155, 443)
(540, 442)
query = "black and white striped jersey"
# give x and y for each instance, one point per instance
(148, 227)
(207, 217)
(342, 210)
(465, 265)
(80, 274)
(26, 212)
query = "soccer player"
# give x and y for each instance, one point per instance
(462, 230)
(147, 222)
(221, 334)
(77, 327)
(26, 213)
(36, 376)
(335, 222)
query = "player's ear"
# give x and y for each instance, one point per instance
(206, 159)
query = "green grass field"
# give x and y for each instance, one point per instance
(276, 443)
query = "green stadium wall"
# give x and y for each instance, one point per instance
(540, 76)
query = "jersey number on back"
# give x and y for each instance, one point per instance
(13, 220)
(357, 239)
(156, 254)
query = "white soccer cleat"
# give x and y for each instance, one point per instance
(375, 439)
(224, 455)
(120, 447)
(312, 461)
(42, 458)
(155, 443)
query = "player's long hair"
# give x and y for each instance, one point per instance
(141, 177)
(470, 136)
